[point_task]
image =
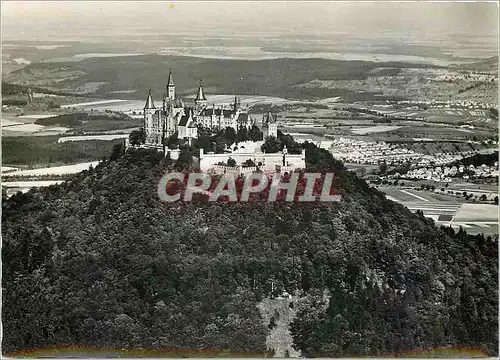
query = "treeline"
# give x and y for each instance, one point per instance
(45, 150)
(85, 122)
(68, 120)
(117, 267)
(477, 160)
(14, 102)
(18, 89)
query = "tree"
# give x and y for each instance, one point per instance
(231, 162)
(172, 141)
(496, 200)
(204, 142)
(230, 135)
(53, 105)
(116, 152)
(137, 137)
(219, 144)
(292, 146)
(184, 161)
(271, 145)
(242, 134)
(255, 134)
(249, 163)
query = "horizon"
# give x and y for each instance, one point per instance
(415, 23)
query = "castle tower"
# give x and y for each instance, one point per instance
(236, 104)
(221, 117)
(269, 125)
(200, 100)
(149, 110)
(171, 86)
(212, 119)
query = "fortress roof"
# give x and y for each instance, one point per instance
(184, 120)
(170, 79)
(269, 118)
(227, 113)
(149, 102)
(200, 96)
(243, 117)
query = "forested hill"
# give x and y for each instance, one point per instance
(100, 261)
(271, 77)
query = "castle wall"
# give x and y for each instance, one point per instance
(270, 161)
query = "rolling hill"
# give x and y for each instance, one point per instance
(103, 76)
(490, 64)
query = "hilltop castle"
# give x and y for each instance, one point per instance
(173, 116)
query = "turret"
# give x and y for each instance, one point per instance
(269, 125)
(149, 102)
(149, 110)
(200, 97)
(235, 105)
(171, 86)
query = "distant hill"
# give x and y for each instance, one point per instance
(489, 64)
(274, 77)
(101, 261)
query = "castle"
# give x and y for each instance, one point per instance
(174, 117)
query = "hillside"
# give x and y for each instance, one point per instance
(103, 76)
(490, 64)
(100, 261)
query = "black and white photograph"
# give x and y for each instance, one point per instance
(251, 179)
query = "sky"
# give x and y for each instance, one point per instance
(32, 20)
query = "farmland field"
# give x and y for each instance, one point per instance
(30, 184)
(447, 210)
(477, 212)
(32, 129)
(373, 129)
(92, 137)
(56, 170)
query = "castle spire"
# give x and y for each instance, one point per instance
(200, 96)
(149, 102)
(171, 86)
(170, 78)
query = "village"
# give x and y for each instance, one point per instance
(374, 153)
(447, 173)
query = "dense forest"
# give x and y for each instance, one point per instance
(100, 261)
(91, 122)
(45, 150)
